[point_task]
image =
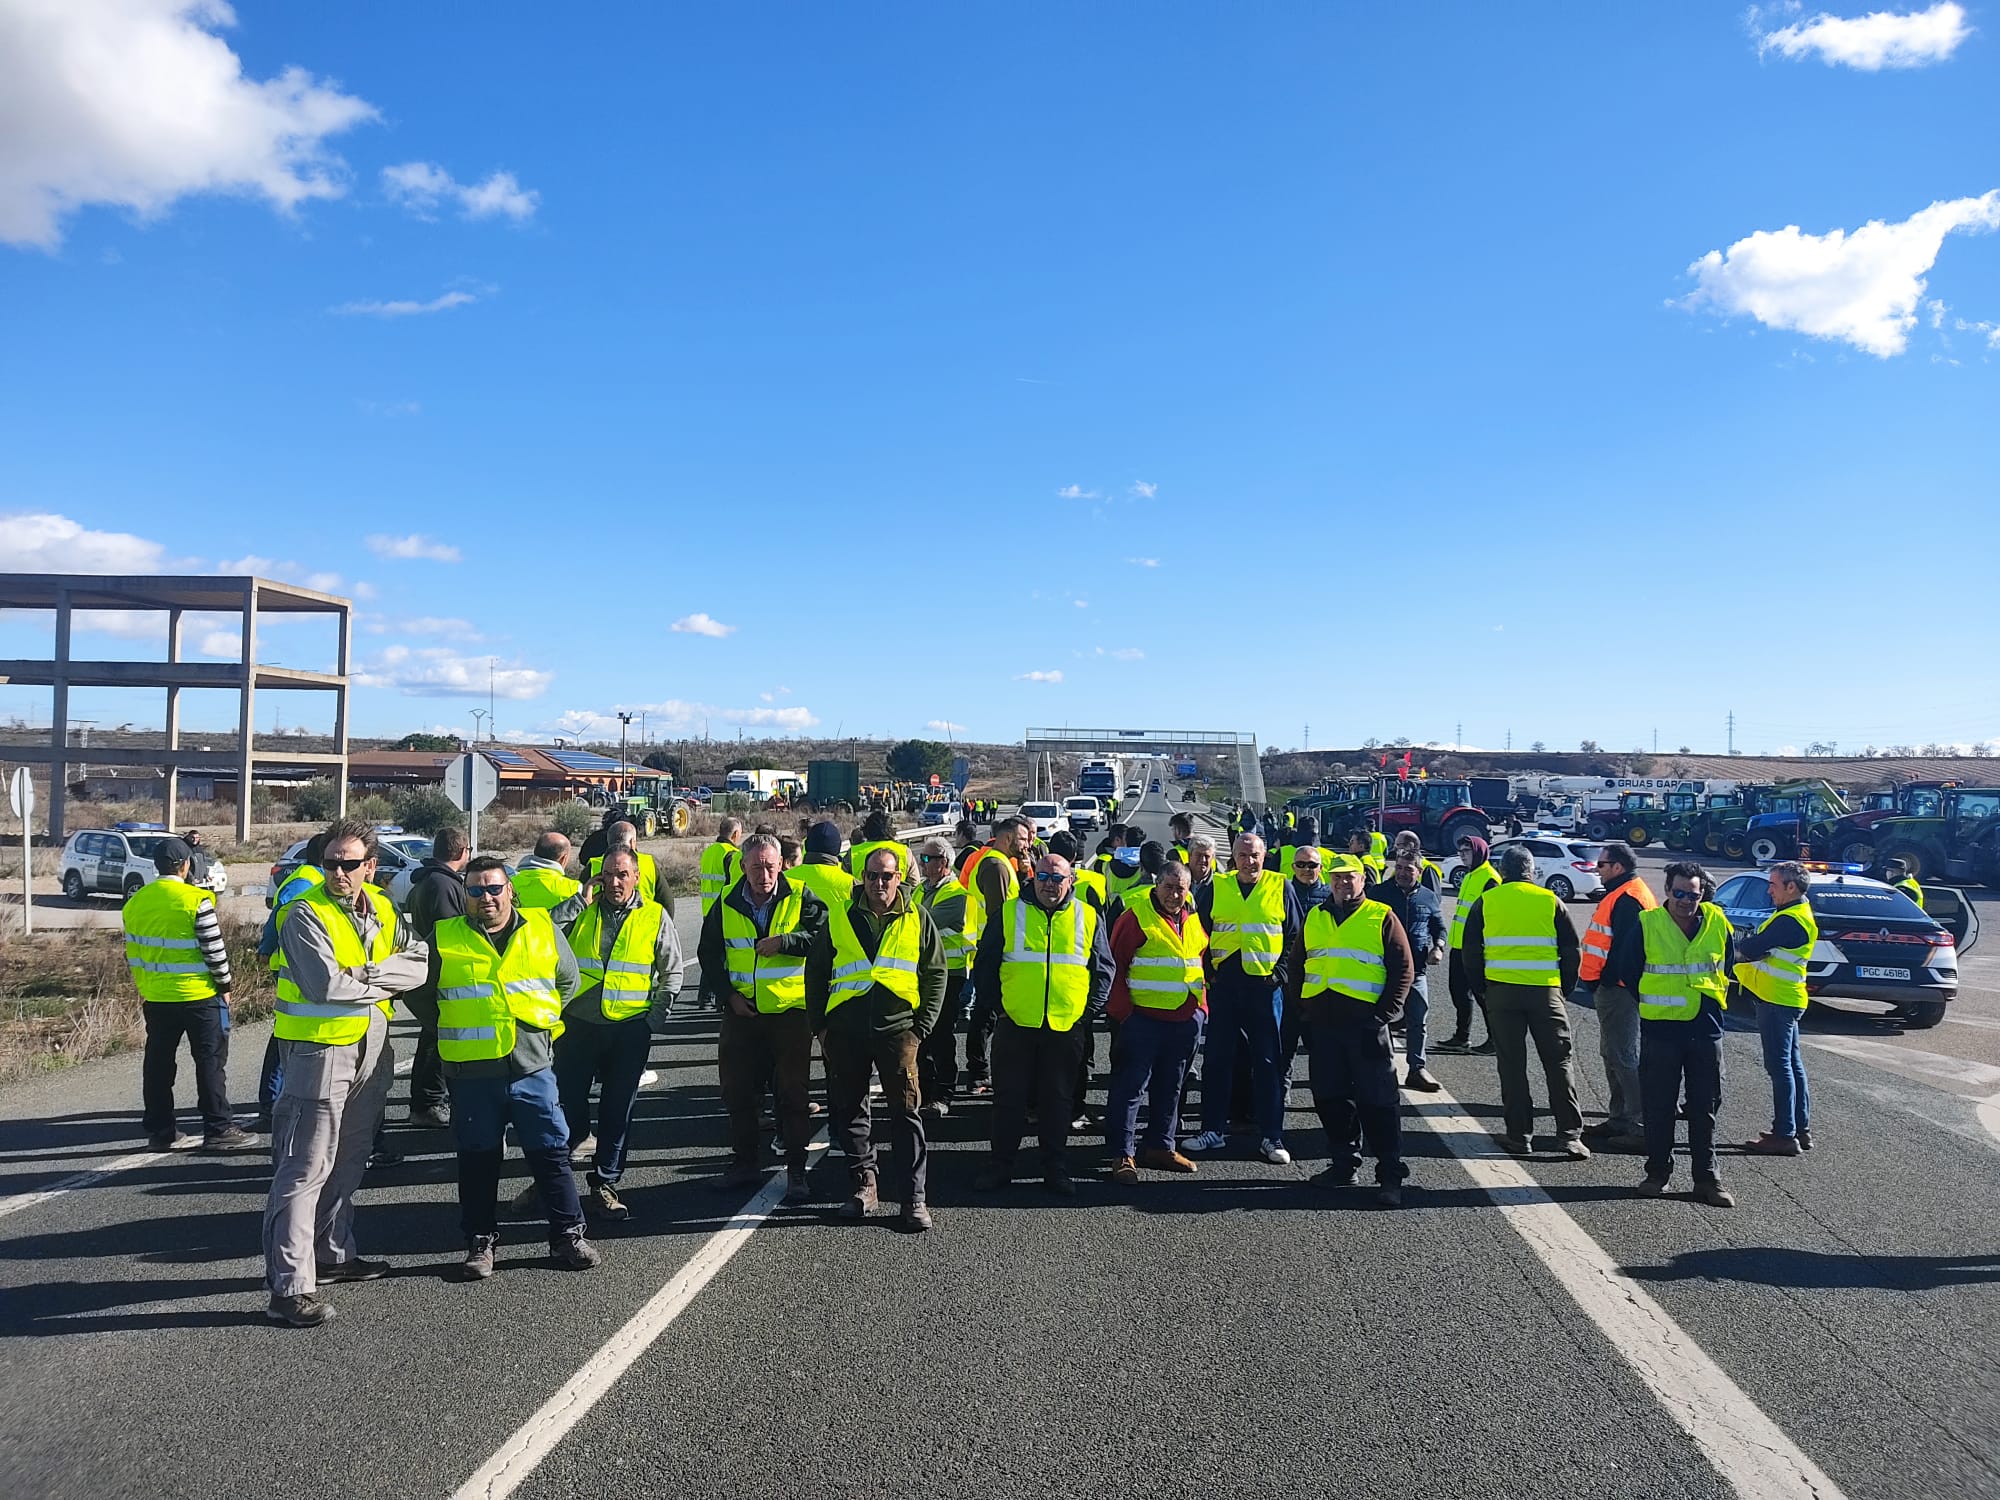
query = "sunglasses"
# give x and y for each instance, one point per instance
(1305, 864)
(1049, 877)
(1683, 895)
(882, 877)
(485, 892)
(345, 865)
(929, 859)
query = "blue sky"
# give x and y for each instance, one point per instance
(1248, 367)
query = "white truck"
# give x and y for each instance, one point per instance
(764, 785)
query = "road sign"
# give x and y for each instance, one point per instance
(471, 781)
(934, 778)
(21, 796)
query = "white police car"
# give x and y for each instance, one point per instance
(118, 861)
(1568, 867)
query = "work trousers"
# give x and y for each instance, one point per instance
(205, 1024)
(1033, 1065)
(937, 1054)
(613, 1055)
(1462, 998)
(773, 1048)
(1416, 1020)
(850, 1057)
(270, 1077)
(1670, 1051)
(481, 1110)
(322, 1127)
(427, 1087)
(1791, 1104)
(1514, 1013)
(1354, 1093)
(1291, 1032)
(1246, 1009)
(1149, 1058)
(979, 1026)
(1618, 1048)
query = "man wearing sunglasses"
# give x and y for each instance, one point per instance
(344, 956)
(1675, 958)
(875, 983)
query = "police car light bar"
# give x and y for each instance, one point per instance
(1817, 866)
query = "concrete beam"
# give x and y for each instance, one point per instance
(169, 674)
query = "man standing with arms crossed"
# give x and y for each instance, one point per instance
(1626, 897)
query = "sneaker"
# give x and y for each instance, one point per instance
(581, 1152)
(1389, 1195)
(527, 1201)
(357, 1269)
(980, 1089)
(1208, 1140)
(1655, 1185)
(992, 1179)
(1334, 1177)
(1125, 1170)
(235, 1138)
(798, 1189)
(1059, 1182)
(430, 1118)
(1514, 1145)
(605, 1202)
(1275, 1153)
(1714, 1194)
(861, 1200)
(1768, 1144)
(165, 1140)
(1420, 1081)
(302, 1311)
(648, 1078)
(1573, 1149)
(915, 1218)
(1600, 1130)
(1804, 1138)
(572, 1252)
(478, 1263)
(1165, 1159)
(384, 1157)
(815, 1108)
(1081, 1122)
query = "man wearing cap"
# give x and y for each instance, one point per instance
(821, 871)
(1349, 966)
(1897, 873)
(174, 948)
(1478, 874)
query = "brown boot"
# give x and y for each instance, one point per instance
(861, 1201)
(1768, 1144)
(1125, 1170)
(1166, 1159)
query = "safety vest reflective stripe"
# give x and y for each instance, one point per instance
(1682, 969)
(485, 996)
(1520, 920)
(717, 866)
(894, 966)
(159, 922)
(464, 1033)
(1780, 975)
(772, 983)
(1597, 936)
(1047, 986)
(1252, 926)
(1475, 884)
(331, 1024)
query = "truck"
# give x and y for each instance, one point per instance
(1102, 777)
(833, 783)
(1961, 842)
(764, 785)
(1494, 796)
(654, 805)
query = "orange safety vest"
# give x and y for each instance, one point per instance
(1597, 936)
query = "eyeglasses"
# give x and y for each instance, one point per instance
(882, 877)
(345, 865)
(929, 859)
(485, 892)
(1050, 877)
(1305, 864)
(1683, 895)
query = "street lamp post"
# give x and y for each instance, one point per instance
(624, 721)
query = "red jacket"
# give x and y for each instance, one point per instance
(1126, 936)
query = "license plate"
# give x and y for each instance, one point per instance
(1876, 971)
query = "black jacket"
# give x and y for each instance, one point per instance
(993, 941)
(437, 893)
(1569, 953)
(712, 956)
(878, 1012)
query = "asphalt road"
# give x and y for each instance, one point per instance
(1241, 1332)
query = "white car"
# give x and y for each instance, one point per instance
(401, 855)
(118, 861)
(1083, 813)
(1133, 791)
(1048, 817)
(1568, 867)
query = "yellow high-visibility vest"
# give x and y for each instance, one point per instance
(1346, 958)
(1520, 933)
(719, 868)
(830, 883)
(1253, 925)
(1166, 968)
(1045, 968)
(1682, 970)
(297, 1019)
(484, 995)
(776, 982)
(957, 946)
(626, 977)
(1470, 888)
(649, 874)
(537, 889)
(894, 965)
(1780, 975)
(161, 949)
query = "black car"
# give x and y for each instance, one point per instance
(1875, 943)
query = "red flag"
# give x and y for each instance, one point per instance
(1403, 770)
(1385, 760)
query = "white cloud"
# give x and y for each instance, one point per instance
(224, 645)
(1144, 490)
(415, 545)
(137, 103)
(40, 542)
(1862, 288)
(285, 572)
(440, 672)
(1988, 331)
(404, 308)
(1128, 653)
(1937, 310)
(1880, 39)
(449, 626)
(701, 624)
(420, 186)
(943, 726)
(1055, 676)
(676, 717)
(1143, 562)
(1076, 492)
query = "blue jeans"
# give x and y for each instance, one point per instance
(1250, 1007)
(1416, 1016)
(1151, 1056)
(613, 1054)
(1791, 1105)
(481, 1111)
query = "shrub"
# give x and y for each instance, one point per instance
(424, 809)
(573, 821)
(315, 801)
(373, 808)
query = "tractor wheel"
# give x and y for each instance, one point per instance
(1856, 852)
(1735, 845)
(680, 818)
(1639, 836)
(1676, 840)
(1916, 856)
(649, 824)
(1767, 847)
(1711, 843)
(1597, 831)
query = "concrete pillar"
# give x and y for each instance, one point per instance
(59, 719)
(247, 715)
(340, 713)
(173, 787)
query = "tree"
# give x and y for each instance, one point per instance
(659, 760)
(1539, 748)
(752, 763)
(919, 760)
(425, 809)
(1590, 747)
(435, 743)
(315, 801)
(1982, 749)
(1684, 751)
(1371, 743)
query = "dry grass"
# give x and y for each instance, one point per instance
(67, 997)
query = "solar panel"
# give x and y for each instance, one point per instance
(582, 760)
(505, 757)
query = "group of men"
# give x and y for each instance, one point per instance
(535, 989)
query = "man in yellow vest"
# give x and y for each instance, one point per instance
(1043, 954)
(1201, 864)
(623, 835)
(1477, 876)
(628, 956)
(1250, 915)
(720, 862)
(876, 832)
(1521, 957)
(502, 977)
(875, 984)
(174, 948)
(820, 870)
(1159, 1001)
(1897, 874)
(944, 897)
(1349, 968)
(345, 956)
(542, 881)
(1675, 958)
(1771, 965)
(752, 953)
(1625, 897)
(990, 877)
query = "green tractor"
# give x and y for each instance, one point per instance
(1722, 825)
(1962, 843)
(653, 806)
(1640, 818)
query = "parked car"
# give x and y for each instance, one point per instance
(1084, 813)
(395, 867)
(1875, 943)
(1568, 867)
(1046, 816)
(940, 813)
(117, 861)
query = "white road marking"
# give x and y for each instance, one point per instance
(536, 1438)
(1989, 1115)
(1971, 1078)
(91, 1178)
(1985, 1022)
(1743, 1445)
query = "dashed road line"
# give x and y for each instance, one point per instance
(20, 1201)
(1748, 1449)
(1974, 1079)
